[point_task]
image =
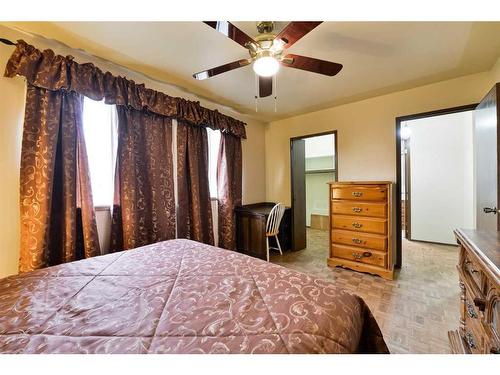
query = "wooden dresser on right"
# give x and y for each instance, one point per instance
(479, 274)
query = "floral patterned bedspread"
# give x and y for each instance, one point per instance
(181, 296)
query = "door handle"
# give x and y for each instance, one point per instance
(489, 210)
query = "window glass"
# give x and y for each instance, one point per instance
(100, 130)
(213, 154)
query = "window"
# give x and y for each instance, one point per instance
(100, 125)
(213, 154)
(100, 128)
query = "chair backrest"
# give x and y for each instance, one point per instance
(274, 218)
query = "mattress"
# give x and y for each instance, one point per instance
(181, 296)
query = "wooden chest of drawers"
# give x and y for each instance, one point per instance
(479, 275)
(362, 227)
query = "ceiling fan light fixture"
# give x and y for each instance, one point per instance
(266, 66)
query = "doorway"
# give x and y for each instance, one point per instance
(313, 164)
(435, 181)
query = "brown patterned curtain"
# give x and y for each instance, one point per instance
(144, 208)
(194, 214)
(144, 205)
(229, 168)
(57, 214)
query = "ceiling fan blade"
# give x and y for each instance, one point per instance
(265, 86)
(295, 31)
(310, 64)
(221, 69)
(231, 31)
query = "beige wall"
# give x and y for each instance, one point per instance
(496, 71)
(254, 164)
(12, 95)
(365, 129)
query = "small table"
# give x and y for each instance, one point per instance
(251, 229)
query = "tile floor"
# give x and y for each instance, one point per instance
(416, 310)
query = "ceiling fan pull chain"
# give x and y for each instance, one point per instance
(275, 81)
(256, 83)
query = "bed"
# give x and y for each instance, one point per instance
(181, 296)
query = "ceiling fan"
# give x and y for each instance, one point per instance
(267, 52)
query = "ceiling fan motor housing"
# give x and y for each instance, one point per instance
(265, 44)
(265, 27)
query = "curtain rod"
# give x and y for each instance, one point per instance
(7, 41)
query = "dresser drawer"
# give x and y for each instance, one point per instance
(472, 340)
(360, 193)
(474, 334)
(359, 208)
(472, 273)
(360, 224)
(372, 241)
(355, 254)
(470, 308)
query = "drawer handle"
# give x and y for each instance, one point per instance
(357, 209)
(470, 340)
(471, 311)
(358, 241)
(480, 303)
(470, 267)
(358, 256)
(357, 194)
(357, 225)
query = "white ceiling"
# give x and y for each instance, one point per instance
(378, 57)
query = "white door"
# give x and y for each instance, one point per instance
(441, 176)
(485, 146)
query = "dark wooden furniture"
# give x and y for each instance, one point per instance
(479, 275)
(362, 226)
(251, 229)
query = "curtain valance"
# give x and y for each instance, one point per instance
(45, 69)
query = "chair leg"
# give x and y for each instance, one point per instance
(279, 245)
(267, 248)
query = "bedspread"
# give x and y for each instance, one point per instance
(181, 296)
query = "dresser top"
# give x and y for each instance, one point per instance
(485, 244)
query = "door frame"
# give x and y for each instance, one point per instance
(407, 178)
(399, 120)
(336, 161)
